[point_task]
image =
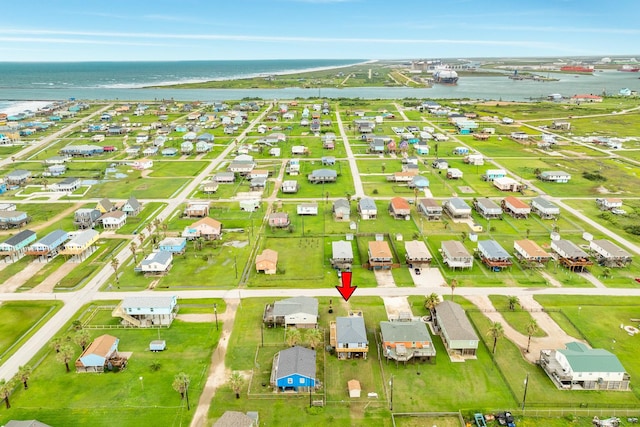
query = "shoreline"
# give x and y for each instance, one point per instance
(241, 77)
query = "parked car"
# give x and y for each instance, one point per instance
(505, 419)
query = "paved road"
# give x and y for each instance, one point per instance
(75, 300)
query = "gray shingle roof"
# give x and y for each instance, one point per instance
(351, 329)
(404, 331)
(342, 249)
(367, 204)
(288, 306)
(20, 237)
(52, 237)
(296, 360)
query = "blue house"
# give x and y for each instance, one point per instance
(492, 174)
(294, 369)
(49, 244)
(175, 245)
(97, 356)
(9, 219)
(15, 246)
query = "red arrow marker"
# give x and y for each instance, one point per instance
(345, 289)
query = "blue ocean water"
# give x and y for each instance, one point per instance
(126, 81)
(126, 75)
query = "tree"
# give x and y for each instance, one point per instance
(513, 301)
(24, 372)
(495, 331)
(65, 355)
(236, 381)
(76, 325)
(82, 338)
(56, 343)
(430, 303)
(181, 384)
(606, 272)
(532, 328)
(115, 264)
(134, 251)
(6, 387)
(292, 336)
(313, 337)
(452, 284)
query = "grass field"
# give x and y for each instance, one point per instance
(136, 396)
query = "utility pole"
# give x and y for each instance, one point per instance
(215, 312)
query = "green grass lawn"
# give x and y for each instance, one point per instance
(20, 320)
(121, 398)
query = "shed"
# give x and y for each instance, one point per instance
(354, 388)
(158, 345)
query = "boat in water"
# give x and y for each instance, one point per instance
(577, 69)
(629, 68)
(445, 77)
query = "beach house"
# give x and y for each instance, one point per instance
(430, 208)
(455, 255)
(487, 208)
(341, 255)
(544, 208)
(156, 263)
(493, 255)
(399, 208)
(297, 312)
(380, 256)
(609, 254)
(404, 341)
(205, 228)
(147, 311)
(417, 254)
(515, 207)
(348, 336)
(456, 331)
(15, 246)
(267, 262)
(570, 255)
(367, 208)
(530, 252)
(554, 176)
(457, 208)
(294, 370)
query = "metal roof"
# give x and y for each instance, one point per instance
(584, 359)
(459, 204)
(454, 321)
(492, 249)
(367, 204)
(149, 302)
(612, 248)
(18, 238)
(52, 237)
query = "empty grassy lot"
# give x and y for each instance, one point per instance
(136, 396)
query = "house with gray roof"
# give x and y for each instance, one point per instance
(341, 255)
(132, 207)
(544, 208)
(367, 208)
(570, 255)
(348, 336)
(11, 219)
(156, 263)
(299, 312)
(294, 369)
(554, 176)
(237, 419)
(18, 177)
(578, 367)
(487, 208)
(49, 245)
(493, 255)
(67, 185)
(85, 218)
(81, 244)
(147, 311)
(456, 331)
(455, 254)
(341, 210)
(26, 423)
(404, 341)
(456, 208)
(430, 208)
(319, 176)
(15, 246)
(609, 254)
(417, 254)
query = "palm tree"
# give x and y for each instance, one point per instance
(6, 387)
(134, 249)
(495, 331)
(65, 355)
(181, 385)
(115, 264)
(606, 272)
(430, 303)
(532, 328)
(56, 343)
(24, 372)
(292, 336)
(236, 380)
(313, 336)
(513, 301)
(452, 284)
(82, 338)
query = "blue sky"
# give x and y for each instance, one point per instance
(81, 30)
